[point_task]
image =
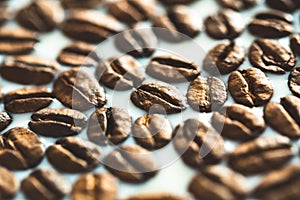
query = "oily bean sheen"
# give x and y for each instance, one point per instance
(73, 155)
(69, 4)
(155, 196)
(109, 125)
(78, 90)
(198, 144)
(295, 43)
(284, 5)
(120, 73)
(294, 81)
(57, 122)
(158, 97)
(261, 155)
(5, 120)
(28, 70)
(226, 24)
(219, 183)
(250, 87)
(284, 117)
(45, 184)
(20, 149)
(8, 184)
(95, 187)
(174, 2)
(238, 4)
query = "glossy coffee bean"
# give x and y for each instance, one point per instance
(5, 120)
(71, 4)
(155, 196)
(284, 5)
(295, 43)
(238, 5)
(9, 185)
(294, 81)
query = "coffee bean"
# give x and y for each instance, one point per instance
(16, 41)
(238, 4)
(73, 155)
(5, 15)
(224, 58)
(131, 164)
(20, 149)
(292, 105)
(120, 73)
(226, 24)
(295, 43)
(95, 187)
(109, 125)
(28, 70)
(68, 4)
(271, 24)
(84, 25)
(152, 131)
(284, 5)
(57, 122)
(158, 97)
(45, 184)
(206, 94)
(261, 155)
(294, 81)
(155, 196)
(78, 54)
(5, 120)
(198, 144)
(78, 90)
(172, 69)
(8, 184)
(174, 2)
(218, 182)
(250, 87)
(238, 122)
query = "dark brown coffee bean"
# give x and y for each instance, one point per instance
(155, 196)
(109, 125)
(5, 120)
(295, 43)
(8, 184)
(28, 70)
(261, 155)
(174, 2)
(68, 4)
(131, 164)
(78, 90)
(238, 122)
(120, 73)
(73, 155)
(218, 182)
(226, 24)
(250, 87)
(198, 144)
(284, 5)
(206, 94)
(238, 4)
(271, 24)
(292, 105)
(95, 187)
(294, 81)
(224, 58)
(20, 149)
(172, 69)
(45, 184)
(159, 98)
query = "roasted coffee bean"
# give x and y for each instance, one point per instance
(28, 70)
(284, 5)
(95, 187)
(131, 164)
(90, 26)
(224, 58)
(4, 15)
(218, 182)
(172, 69)
(159, 98)
(109, 125)
(294, 81)
(5, 120)
(45, 184)
(284, 117)
(78, 90)
(68, 4)
(155, 196)
(120, 73)
(250, 87)
(238, 4)
(73, 155)
(16, 41)
(174, 2)
(8, 184)
(271, 24)
(152, 131)
(78, 54)
(198, 144)
(20, 149)
(295, 43)
(27, 100)
(238, 122)
(261, 155)
(226, 24)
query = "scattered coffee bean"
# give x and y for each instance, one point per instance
(284, 5)
(158, 97)
(238, 4)
(198, 144)
(20, 149)
(294, 81)
(78, 90)
(69, 4)
(174, 2)
(5, 120)
(8, 184)
(155, 196)
(57, 122)
(250, 87)
(295, 43)
(4, 14)
(206, 94)
(45, 184)
(28, 70)
(261, 155)
(131, 163)
(120, 73)
(73, 155)
(218, 182)
(292, 105)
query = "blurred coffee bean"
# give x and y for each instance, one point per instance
(5, 120)
(70, 4)
(174, 2)
(9, 185)
(155, 196)
(294, 81)
(5, 15)
(238, 5)
(284, 5)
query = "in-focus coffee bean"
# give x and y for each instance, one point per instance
(238, 5)
(295, 43)
(8, 184)
(155, 196)
(284, 5)
(71, 4)
(294, 81)
(5, 120)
